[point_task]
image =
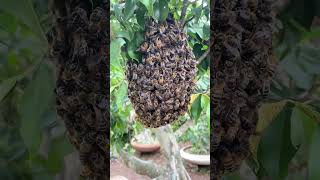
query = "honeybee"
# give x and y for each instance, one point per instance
(159, 43)
(265, 89)
(149, 104)
(144, 47)
(86, 170)
(162, 29)
(161, 80)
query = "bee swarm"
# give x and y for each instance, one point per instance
(161, 84)
(242, 71)
(78, 46)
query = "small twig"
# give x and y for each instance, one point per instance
(186, 22)
(204, 55)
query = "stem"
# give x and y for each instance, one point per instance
(184, 11)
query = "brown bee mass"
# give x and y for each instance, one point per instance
(78, 46)
(241, 73)
(161, 84)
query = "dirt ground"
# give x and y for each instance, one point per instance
(195, 172)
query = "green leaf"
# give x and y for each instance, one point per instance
(163, 10)
(129, 9)
(310, 121)
(205, 99)
(314, 158)
(8, 22)
(149, 5)
(6, 86)
(140, 15)
(24, 10)
(206, 31)
(197, 13)
(275, 149)
(134, 44)
(124, 34)
(121, 95)
(196, 28)
(118, 12)
(33, 104)
(196, 108)
(297, 132)
(59, 148)
(115, 49)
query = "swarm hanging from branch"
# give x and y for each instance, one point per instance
(161, 84)
(78, 46)
(241, 70)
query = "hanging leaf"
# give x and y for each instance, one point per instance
(163, 10)
(197, 13)
(297, 132)
(140, 15)
(59, 148)
(118, 13)
(275, 150)
(129, 8)
(196, 108)
(314, 158)
(310, 121)
(149, 5)
(34, 102)
(205, 99)
(267, 114)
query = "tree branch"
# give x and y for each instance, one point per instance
(140, 166)
(184, 11)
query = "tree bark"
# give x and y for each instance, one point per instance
(174, 168)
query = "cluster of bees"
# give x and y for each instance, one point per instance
(160, 86)
(242, 69)
(78, 46)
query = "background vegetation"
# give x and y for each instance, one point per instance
(32, 139)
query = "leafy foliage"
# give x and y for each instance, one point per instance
(32, 139)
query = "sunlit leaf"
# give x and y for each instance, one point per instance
(129, 9)
(205, 99)
(267, 113)
(140, 15)
(115, 49)
(121, 94)
(196, 108)
(134, 44)
(161, 9)
(149, 5)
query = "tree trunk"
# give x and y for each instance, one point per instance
(174, 168)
